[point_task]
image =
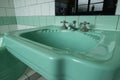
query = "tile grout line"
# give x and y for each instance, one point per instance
(34, 4)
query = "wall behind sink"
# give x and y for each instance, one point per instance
(7, 16)
(37, 13)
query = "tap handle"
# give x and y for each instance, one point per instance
(74, 22)
(64, 22)
(84, 23)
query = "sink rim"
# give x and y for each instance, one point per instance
(106, 65)
(18, 33)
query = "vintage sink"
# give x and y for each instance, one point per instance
(67, 55)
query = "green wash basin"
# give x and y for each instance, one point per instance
(67, 55)
(10, 67)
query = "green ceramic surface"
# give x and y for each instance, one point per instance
(10, 67)
(67, 55)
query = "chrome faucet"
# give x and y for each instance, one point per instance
(64, 25)
(84, 27)
(73, 26)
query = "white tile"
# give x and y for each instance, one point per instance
(21, 27)
(26, 11)
(20, 13)
(21, 3)
(30, 2)
(17, 12)
(10, 12)
(40, 1)
(12, 27)
(52, 0)
(27, 2)
(38, 10)
(47, 0)
(31, 11)
(11, 3)
(52, 8)
(29, 27)
(16, 3)
(44, 1)
(45, 9)
(4, 3)
(4, 29)
(2, 12)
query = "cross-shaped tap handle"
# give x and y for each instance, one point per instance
(64, 22)
(85, 22)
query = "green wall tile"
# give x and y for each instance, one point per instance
(36, 20)
(43, 20)
(50, 20)
(31, 20)
(27, 20)
(19, 20)
(12, 20)
(1, 21)
(58, 20)
(106, 22)
(7, 20)
(102, 22)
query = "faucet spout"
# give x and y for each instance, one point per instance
(84, 27)
(64, 24)
(73, 26)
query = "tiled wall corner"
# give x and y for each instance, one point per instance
(10, 12)
(7, 16)
(106, 22)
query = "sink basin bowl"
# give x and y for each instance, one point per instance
(74, 41)
(67, 55)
